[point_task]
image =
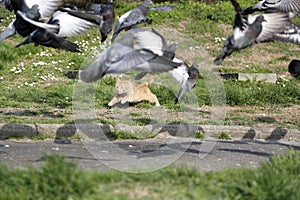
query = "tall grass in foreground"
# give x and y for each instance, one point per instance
(59, 179)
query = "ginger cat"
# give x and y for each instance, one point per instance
(126, 91)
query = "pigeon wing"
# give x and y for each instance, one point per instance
(164, 8)
(274, 23)
(70, 25)
(47, 8)
(89, 16)
(50, 27)
(49, 39)
(128, 20)
(290, 34)
(9, 31)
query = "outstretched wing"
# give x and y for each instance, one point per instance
(47, 8)
(70, 25)
(9, 31)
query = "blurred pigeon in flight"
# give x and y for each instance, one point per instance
(68, 26)
(46, 8)
(100, 14)
(137, 15)
(290, 34)
(249, 30)
(28, 16)
(186, 76)
(286, 6)
(138, 49)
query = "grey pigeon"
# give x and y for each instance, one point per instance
(100, 14)
(132, 18)
(68, 26)
(136, 16)
(138, 49)
(249, 30)
(168, 52)
(28, 16)
(186, 77)
(183, 75)
(275, 6)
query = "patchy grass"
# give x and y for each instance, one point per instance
(33, 77)
(223, 136)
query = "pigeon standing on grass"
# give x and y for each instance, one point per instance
(249, 30)
(138, 49)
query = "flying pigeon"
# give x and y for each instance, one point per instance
(28, 17)
(138, 49)
(49, 39)
(186, 76)
(136, 16)
(68, 27)
(100, 14)
(46, 8)
(286, 6)
(249, 30)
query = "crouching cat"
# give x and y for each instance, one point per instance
(126, 91)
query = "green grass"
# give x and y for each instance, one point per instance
(135, 135)
(32, 77)
(223, 136)
(58, 179)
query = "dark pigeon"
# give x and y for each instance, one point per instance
(294, 68)
(249, 30)
(138, 49)
(100, 14)
(69, 26)
(49, 39)
(46, 8)
(28, 17)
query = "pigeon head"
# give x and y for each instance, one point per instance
(147, 3)
(193, 71)
(260, 18)
(34, 12)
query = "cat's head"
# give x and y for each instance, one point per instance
(123, 87)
